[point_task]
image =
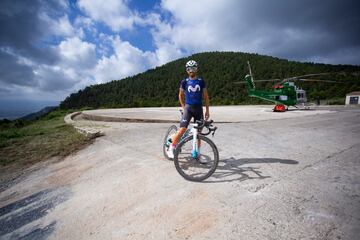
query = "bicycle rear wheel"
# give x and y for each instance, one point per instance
(200, 167)
(166, 143)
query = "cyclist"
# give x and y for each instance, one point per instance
(192, 90)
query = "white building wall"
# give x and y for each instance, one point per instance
(347, 101)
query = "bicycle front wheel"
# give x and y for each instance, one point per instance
(199, 167)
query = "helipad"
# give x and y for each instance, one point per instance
(227, 114)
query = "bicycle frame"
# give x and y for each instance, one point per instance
(194, 131)
(195, 143)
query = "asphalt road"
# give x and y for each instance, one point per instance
(293, 178)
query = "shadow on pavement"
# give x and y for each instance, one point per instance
(231, 169)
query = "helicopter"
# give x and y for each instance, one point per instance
(285, 93)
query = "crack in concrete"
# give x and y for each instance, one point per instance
(328, 157)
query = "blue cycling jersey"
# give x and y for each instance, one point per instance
(193, 89)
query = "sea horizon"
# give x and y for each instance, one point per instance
(12, 109)
(13, 115)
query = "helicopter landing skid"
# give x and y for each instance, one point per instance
(303, 107)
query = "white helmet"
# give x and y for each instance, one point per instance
(191, 64)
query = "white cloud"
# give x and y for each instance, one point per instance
(60, 26)
(178, 28)
(208, 26)
(53, 78)
(284, 29)
(187, 32)
(114, 13)
(77, 54)
(72, 70)
(127, 60)
(64, 27)
(166, 52)
(85, 24)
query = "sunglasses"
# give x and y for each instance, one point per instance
(191, 69)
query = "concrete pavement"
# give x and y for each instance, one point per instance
(279, 178)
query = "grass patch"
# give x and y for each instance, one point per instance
(28, 142)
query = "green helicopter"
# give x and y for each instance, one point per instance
(285, 92)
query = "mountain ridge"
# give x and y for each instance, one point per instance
(159, 86)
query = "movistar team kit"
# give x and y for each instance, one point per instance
(193, 89)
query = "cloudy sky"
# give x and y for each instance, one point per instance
(49, 49)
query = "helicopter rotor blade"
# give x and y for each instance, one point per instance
(240, 82)
(267, 80)
(290, 78)
(310, 75)
(249, 66)
(317, 80)
(281, 82)
(262, 80)
(306, 75)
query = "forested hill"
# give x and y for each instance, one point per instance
(159, 86)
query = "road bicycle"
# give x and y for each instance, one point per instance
(195, 157)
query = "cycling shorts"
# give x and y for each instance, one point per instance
(191, 111)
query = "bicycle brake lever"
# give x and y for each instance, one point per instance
(214, 131)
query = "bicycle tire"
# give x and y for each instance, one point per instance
(171, 129)
(211, 169)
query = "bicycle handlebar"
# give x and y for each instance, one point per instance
(208, 125)
(202, 124)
